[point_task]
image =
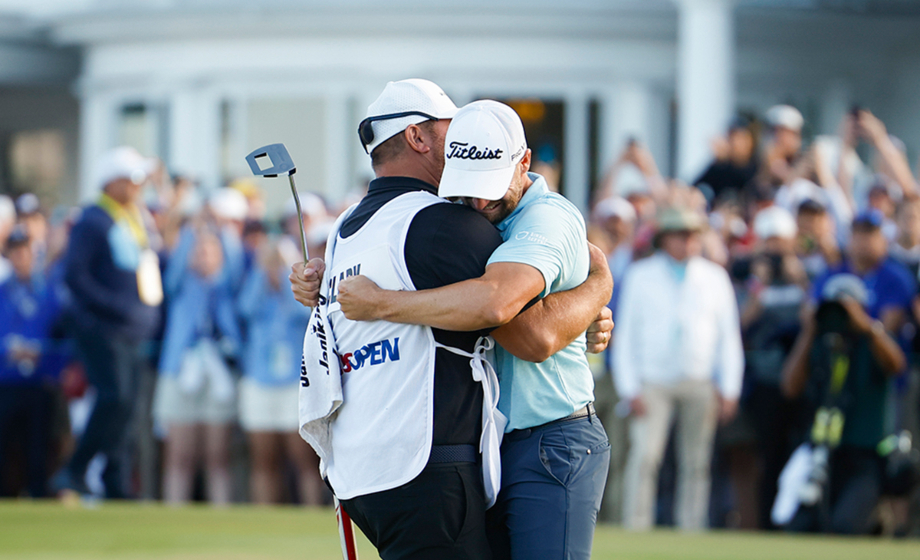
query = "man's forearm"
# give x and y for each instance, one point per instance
(884, 346)
(557, 320)
(886, 350)
(464, 306)
(898, 165)
(485, 302)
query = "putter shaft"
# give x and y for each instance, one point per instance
(303, 234)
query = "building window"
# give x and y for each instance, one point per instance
(143, 127)
(36, 163)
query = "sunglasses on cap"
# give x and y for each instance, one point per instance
(366, 130)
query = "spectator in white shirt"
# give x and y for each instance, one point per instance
(678, 350)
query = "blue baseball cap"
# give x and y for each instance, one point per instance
(871, 217)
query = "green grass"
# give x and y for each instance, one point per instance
(33, 530)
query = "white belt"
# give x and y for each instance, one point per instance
(493, 421)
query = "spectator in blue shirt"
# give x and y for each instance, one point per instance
(29, 361)
(195, 396)
(889, 284)
(856, 470)
(875, 293)
(275, 324)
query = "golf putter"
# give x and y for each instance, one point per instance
(280, 162)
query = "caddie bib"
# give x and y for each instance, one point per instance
(381, 435)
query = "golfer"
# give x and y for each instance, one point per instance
(555, 453)
(405, 442)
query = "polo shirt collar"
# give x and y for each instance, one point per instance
(537, 190)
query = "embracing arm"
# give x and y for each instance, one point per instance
(555, 321)
(491, 300)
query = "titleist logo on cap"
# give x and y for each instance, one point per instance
(463, 150)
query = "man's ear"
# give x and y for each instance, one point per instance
(525, 161)
(417, 139)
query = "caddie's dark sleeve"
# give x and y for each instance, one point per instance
(448, 243)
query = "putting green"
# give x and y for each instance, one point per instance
(45, 530)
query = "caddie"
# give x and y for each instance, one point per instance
(555, 453)
(408, 450)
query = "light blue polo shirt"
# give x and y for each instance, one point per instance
(547, 232)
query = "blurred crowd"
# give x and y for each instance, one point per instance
(767, 315)
(150, 344)
(763, 371)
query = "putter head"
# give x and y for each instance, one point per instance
(277, 156)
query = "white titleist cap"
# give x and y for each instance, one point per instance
(405, 96)
(785, 116)
(483, 146)
(123, 163)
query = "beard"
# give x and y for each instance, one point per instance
(504, 210)
(497, 211)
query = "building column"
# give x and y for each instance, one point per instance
(194, 142)
(231, 156)
(339, 175)
(659, 130)
(577, 159)
(624, 114)
(705, 79)
(835, 103)
(97, 135)
(361, 161)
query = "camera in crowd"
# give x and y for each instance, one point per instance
(831, 317)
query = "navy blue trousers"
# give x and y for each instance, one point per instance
(113, 365)
(553, 480)
(26, 409)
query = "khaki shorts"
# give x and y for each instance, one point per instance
(172, 405)
(268, 408)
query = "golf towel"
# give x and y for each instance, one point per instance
(320, 393)
(320, 384)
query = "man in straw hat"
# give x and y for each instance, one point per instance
(678, 352)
